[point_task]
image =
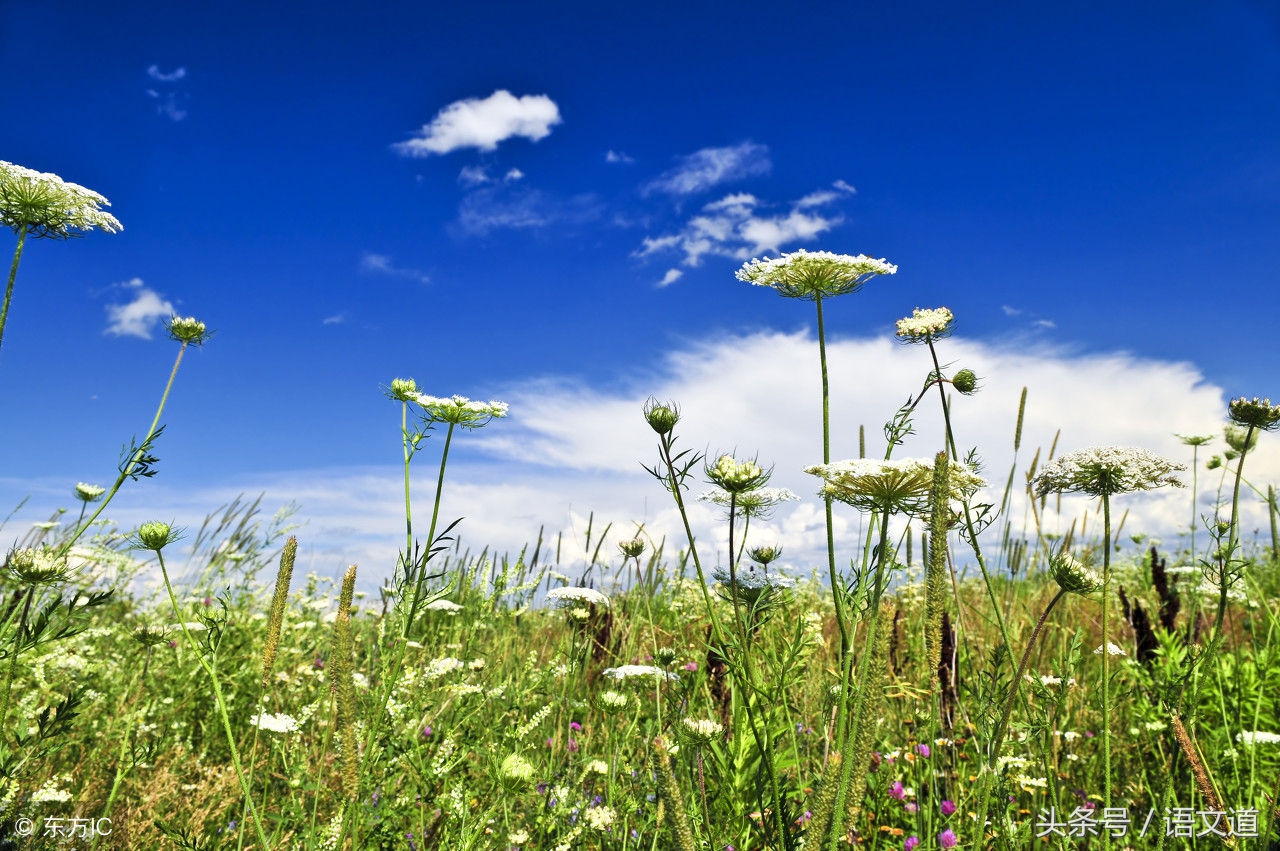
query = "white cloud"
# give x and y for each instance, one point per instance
(670, 278)
(1010, 311)
(336, 319)
(710, 167)
(513, 175)
(155, 73)
(826, 196)
(473, 175)
(1045, 323)
(483, 123)
(140, 316)
(734, 227)
(570, 448)
(381, 264)
(618, 157)
(516, 207)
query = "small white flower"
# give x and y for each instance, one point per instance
(625, 672)
(1102, 470)
(1258, 737)
(275, 723)
(600, 818)
(444, 606)
(574, 594)
(814, 274)
(46, 205)
(597, 766)
(459, 410)
(925, 324)
(1112, 650)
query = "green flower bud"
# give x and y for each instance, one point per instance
(89, 493)
(665, 656)
(1235, 436)
(189, 330)
(155, 535)
(661, 418)
(150, 636)
(515, 774)
(965, 381)
(403, 390)
(611, 702)
(1074, 576)
(736, 476)
(764, 556)
(633, 548)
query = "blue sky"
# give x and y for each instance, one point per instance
(348, 198)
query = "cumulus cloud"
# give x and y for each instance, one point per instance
(381, 264)
(139, 316)
(709, 167)
(483, 123)
(670, 278)
(739, 226)
(569, 449)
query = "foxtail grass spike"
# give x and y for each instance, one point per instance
(341, 671)
(823, 804)
(936, 575)
(1017, 432)
(348, 590)
(670, 794)
(866, 729)
(278, 602)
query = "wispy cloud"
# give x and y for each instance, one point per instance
(671, 277)
(510, 207)
(478, 175)
(483, 123)
(336, 319)
(155, 73)
(740, 227)
(139, 316)
(826, 196)
(618, 157)
(381, 264)
(709, 167)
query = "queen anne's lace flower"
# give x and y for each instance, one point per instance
(573, 594)
(627, 672)
(275, 723)
(459, 410)
(88, 493)
(444, 606)
(1112, 650)
(1259, 413)
(814, 274)
(701, 730)
(924, 325)
(736, 476)
(600, 818)
(44, 205)
(1258, 737)
(1073, 575)
(904, 485)
(1102, 470)
(754, 503)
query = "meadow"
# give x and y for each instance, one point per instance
(964, 679)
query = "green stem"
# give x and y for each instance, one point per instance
(1017, 679)
(1106, 657)
(13, 660)
(13, 274)
(211, 670)
(836, 593)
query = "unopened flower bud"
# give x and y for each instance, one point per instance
(665, 655)
(633, 548)
(661, 418)
(189, 330)
(1073, 575)
(764, 556)
(155, 535)
(965, 381)
(403, 390)
(515, 774)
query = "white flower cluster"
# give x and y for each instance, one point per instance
(925, 324)
(574, 594)
(1112, 650)
(49, 793)
(49, 206)
(760, 499)
(626, 672)
(438, 668)
(814, 274)
(444, 606)
(701, 730)
(87, 492)
(904, 485)
(600, 818)
(752, 580)
(275, 723)
(1258, 737)
(597, 766)
(460, 410)
(1102, 470)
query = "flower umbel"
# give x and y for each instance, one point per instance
(1259, 413)
(38, 566)
(925, 325)
(752, 503)
(44, 205)
(89, 493)
(1073, 575)
(813, 275)
(901, 486)
(1102, 470)
(736, 476)
(459, 410)
(155, 535)
(574, 594)
(189, 330)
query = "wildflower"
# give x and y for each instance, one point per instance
(662, 418)
(752, 503)
(600, 818)
(597, 766)
(403, 390)
(38, 566)
(515, 773)
(814, 275)
(573, 594)
(948, 839)
(633, 548)
(903, 485)
(189, 330)
(1258, 737)
(736, 476)
(1193, 439)
(966, 382)
(1256, 413)
(700, 731)
(279, 601)
(1112, 650)
(910, 843)
(948, 807)
(459, 410)
(924, 325)
(518, 838)
(44, 205)
(1072, 575)
(691, 666)
(1103, 470)
(897, 790)
(444, 606)
(150, 636)
(751, 586)
(154, 536)
(89, 493)
(626, 672)
(275, 723)
(923, 750)
(764, 556)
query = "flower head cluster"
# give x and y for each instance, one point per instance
(1259, 413)
(155, 535)
(753, 503)
(633, 548)
(611, 701)
(515, 773)
(600, 818)
(1073, 575)
(700, 731)
(814, 274)
(275, 723)
(574, 594)
(1112, 650)
(1258, 737)
(189, 330)
(38, 566)
(661, 416)
(752, 586)
(628, 672)
(904, 486)
(1103, 470)
(925, 325)
(44, 205)
(736, 476)
(89, 493)
(459, 410)
(444, 606)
